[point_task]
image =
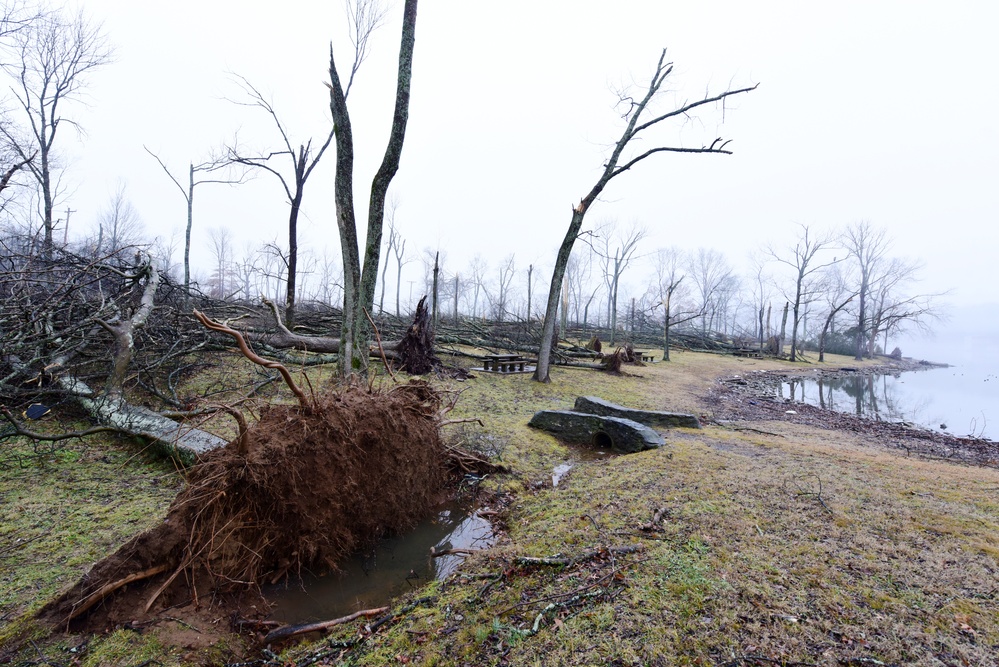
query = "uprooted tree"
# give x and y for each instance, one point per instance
(640, 119)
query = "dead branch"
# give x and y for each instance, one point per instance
(530, 561)
(252, 356)
(289, 631)
(378, 339)
(452, 552)
(45, 437)
(463, 421)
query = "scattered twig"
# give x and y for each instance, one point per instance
(531, 561)
(467, 420)
(452, 552)
(657, 518)
(817, 494)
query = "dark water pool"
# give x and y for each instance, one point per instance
(393, 567)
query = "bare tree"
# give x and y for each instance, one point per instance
(868, 246)
(197, 174)
(669, 291)
(359, 286)
(639, 118)
(891, 305)
(54, 56)
(500, 298)
(400, 260)
(302, 161)
(220, 245)
(803, 260)
(477, 269)
(838, 293)
(119, 225)
(711, 275)
(393, 239)
(616, 253)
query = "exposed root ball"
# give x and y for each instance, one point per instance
(315, 484)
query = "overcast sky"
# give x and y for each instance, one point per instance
(884, 111)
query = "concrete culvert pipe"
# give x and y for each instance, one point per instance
(603, 441)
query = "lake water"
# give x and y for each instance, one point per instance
(962, 399)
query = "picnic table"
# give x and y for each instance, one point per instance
(504, 363)
(644, 355)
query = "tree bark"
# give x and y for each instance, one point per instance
(359, 286)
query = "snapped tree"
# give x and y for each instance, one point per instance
(360, 280)
(640, 118)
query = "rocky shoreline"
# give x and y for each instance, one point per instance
(754, 397)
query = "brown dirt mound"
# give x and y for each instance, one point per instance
(315, 484)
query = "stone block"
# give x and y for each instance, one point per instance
(623, 435)
(597, 406)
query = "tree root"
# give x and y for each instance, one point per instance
(85, 604)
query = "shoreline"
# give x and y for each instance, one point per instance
(750, 397)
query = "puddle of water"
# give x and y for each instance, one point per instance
(559, 472)
(394, 566)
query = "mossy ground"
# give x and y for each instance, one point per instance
(787, 544)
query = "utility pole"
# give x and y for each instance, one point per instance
(65, 233)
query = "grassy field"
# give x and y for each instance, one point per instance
(778, 544)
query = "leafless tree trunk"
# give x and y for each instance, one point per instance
(667, 291)
(302, 162)
(868, 246)
(802, 261)
(710, 273)
(359, 286)
(616, 165)
(614, 264)
(400, 255)
(196, 175)
(393, 240)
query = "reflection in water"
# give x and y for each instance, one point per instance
(393, 567)
(873, 396)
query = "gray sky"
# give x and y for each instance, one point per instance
(866, 110)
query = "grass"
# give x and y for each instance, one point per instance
(797, 545)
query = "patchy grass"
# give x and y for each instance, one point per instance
(787, 544)
(65, 509)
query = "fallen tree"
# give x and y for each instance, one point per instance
(304, 486)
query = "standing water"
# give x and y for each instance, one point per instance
(394, 566)
(961, 399)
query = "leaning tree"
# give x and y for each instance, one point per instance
(640, 118)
